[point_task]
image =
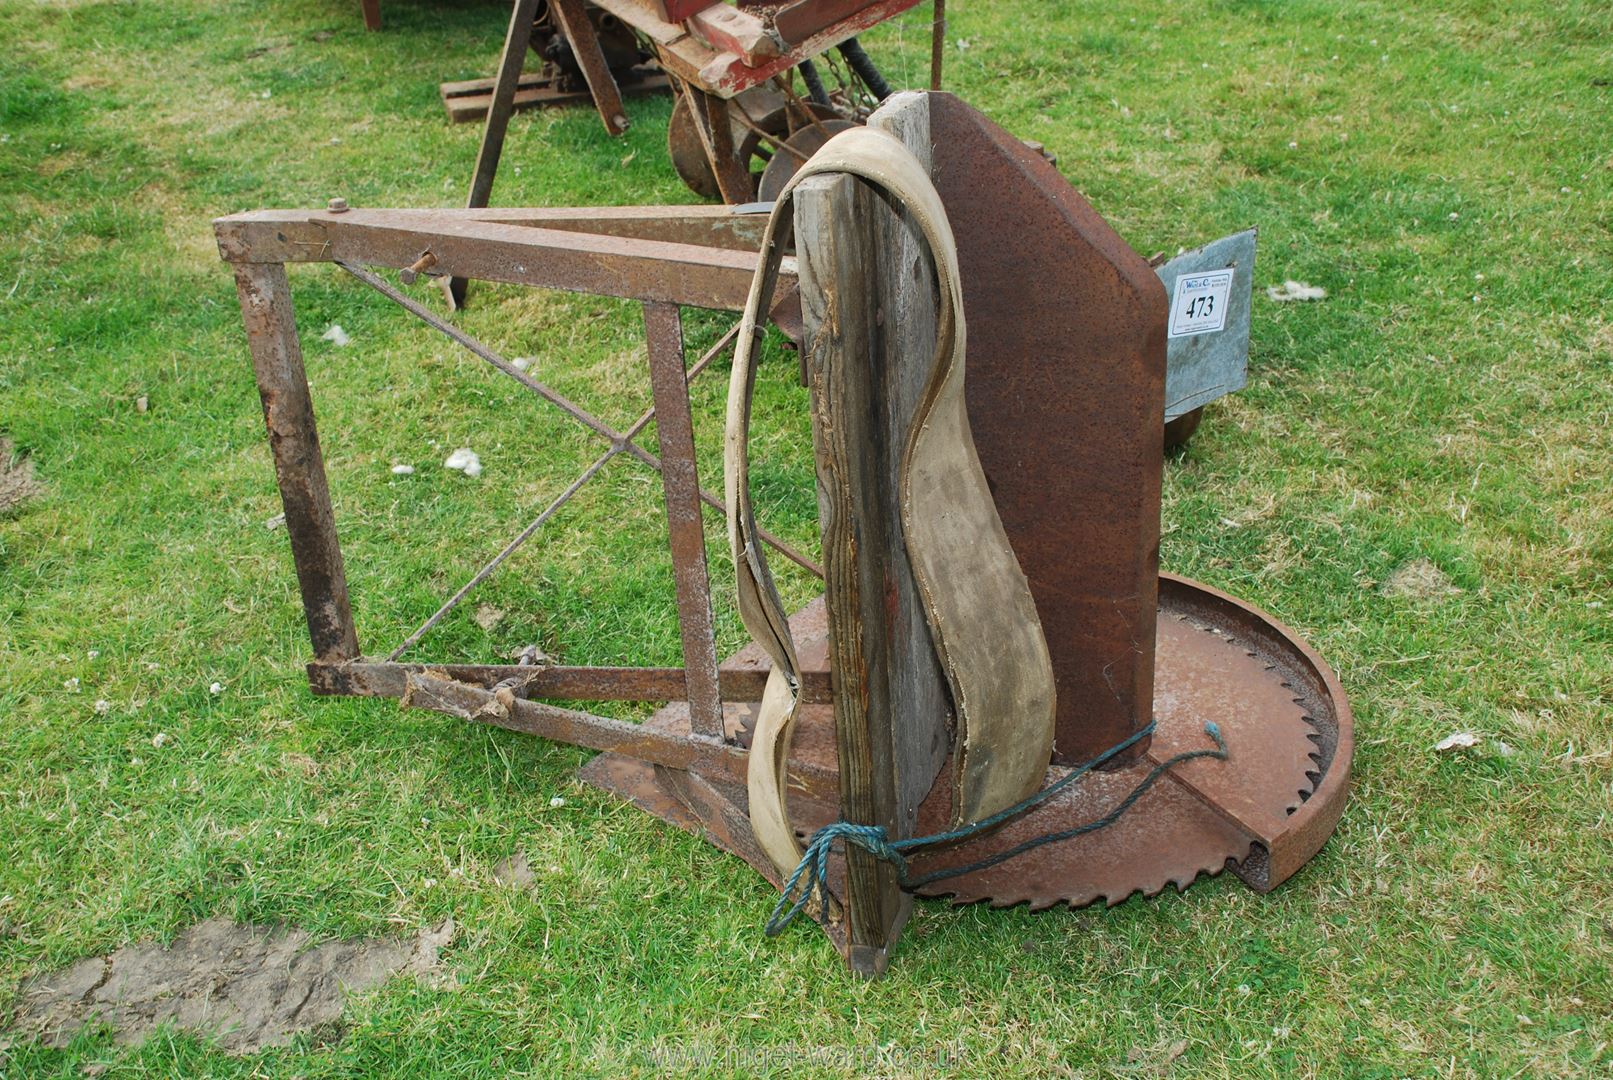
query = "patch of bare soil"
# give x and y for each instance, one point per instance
(249, 986)
(1418, 578)
(17, 484)
(515, 872)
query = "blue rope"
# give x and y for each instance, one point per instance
(812, 873)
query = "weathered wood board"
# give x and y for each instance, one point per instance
(869, 307)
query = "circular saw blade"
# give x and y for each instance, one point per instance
(1194, 820)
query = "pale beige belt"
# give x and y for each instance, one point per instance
(976, 601)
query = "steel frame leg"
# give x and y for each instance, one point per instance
(516, 42)
(669, 383)
(579, 31)
(288, 412)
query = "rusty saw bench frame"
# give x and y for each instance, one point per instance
(664, 257)
(1066, 402)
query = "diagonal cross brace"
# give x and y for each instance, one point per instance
(577, 412)
(620, 442)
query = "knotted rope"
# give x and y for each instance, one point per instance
(812, 873)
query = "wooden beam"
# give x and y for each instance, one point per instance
(869, 308)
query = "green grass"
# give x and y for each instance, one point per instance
(1444, 170)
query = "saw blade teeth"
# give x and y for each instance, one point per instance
(1175, 835)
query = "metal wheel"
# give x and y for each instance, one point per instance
(764, 121)
(788, 159)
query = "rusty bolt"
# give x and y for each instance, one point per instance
(337, 206)
(425, 262)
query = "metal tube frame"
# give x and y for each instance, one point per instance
(664, 257)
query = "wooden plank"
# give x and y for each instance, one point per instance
(834, 239)
(470, 101)
(910, 313)
(649, 17)
(679, 10)
(469, 108)
(797, 21)
(869, 309)
(528, 80)
(725, 73)
(728, 29)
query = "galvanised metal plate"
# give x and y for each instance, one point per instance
(1202, 367)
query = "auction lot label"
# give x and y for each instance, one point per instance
(1200, 303)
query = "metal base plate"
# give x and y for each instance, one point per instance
(1261, 813)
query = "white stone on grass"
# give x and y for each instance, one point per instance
(1460, 740)
(464, 460)
(1290, 291)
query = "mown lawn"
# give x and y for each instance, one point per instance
(1444, 170)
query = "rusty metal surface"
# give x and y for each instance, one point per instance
(491, 693)
(561, 682)
(1204, 674)
(620, 441)
(291, 236)
(1317, 692)
(516, 40)
(583, 37)
(766, 124)
(1178, 431)
(793, 153)
(938, 41)
(1200, 815)
(571, 260)
(730, 165)
(686, 536)
(675, 748)
(500, 105)
(1066, 399)
(1262, 813)
(686, 146)
(695, 256)
(1084, 491)
(751, 121)
(288, 414)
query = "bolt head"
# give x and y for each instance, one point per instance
(336, 206)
